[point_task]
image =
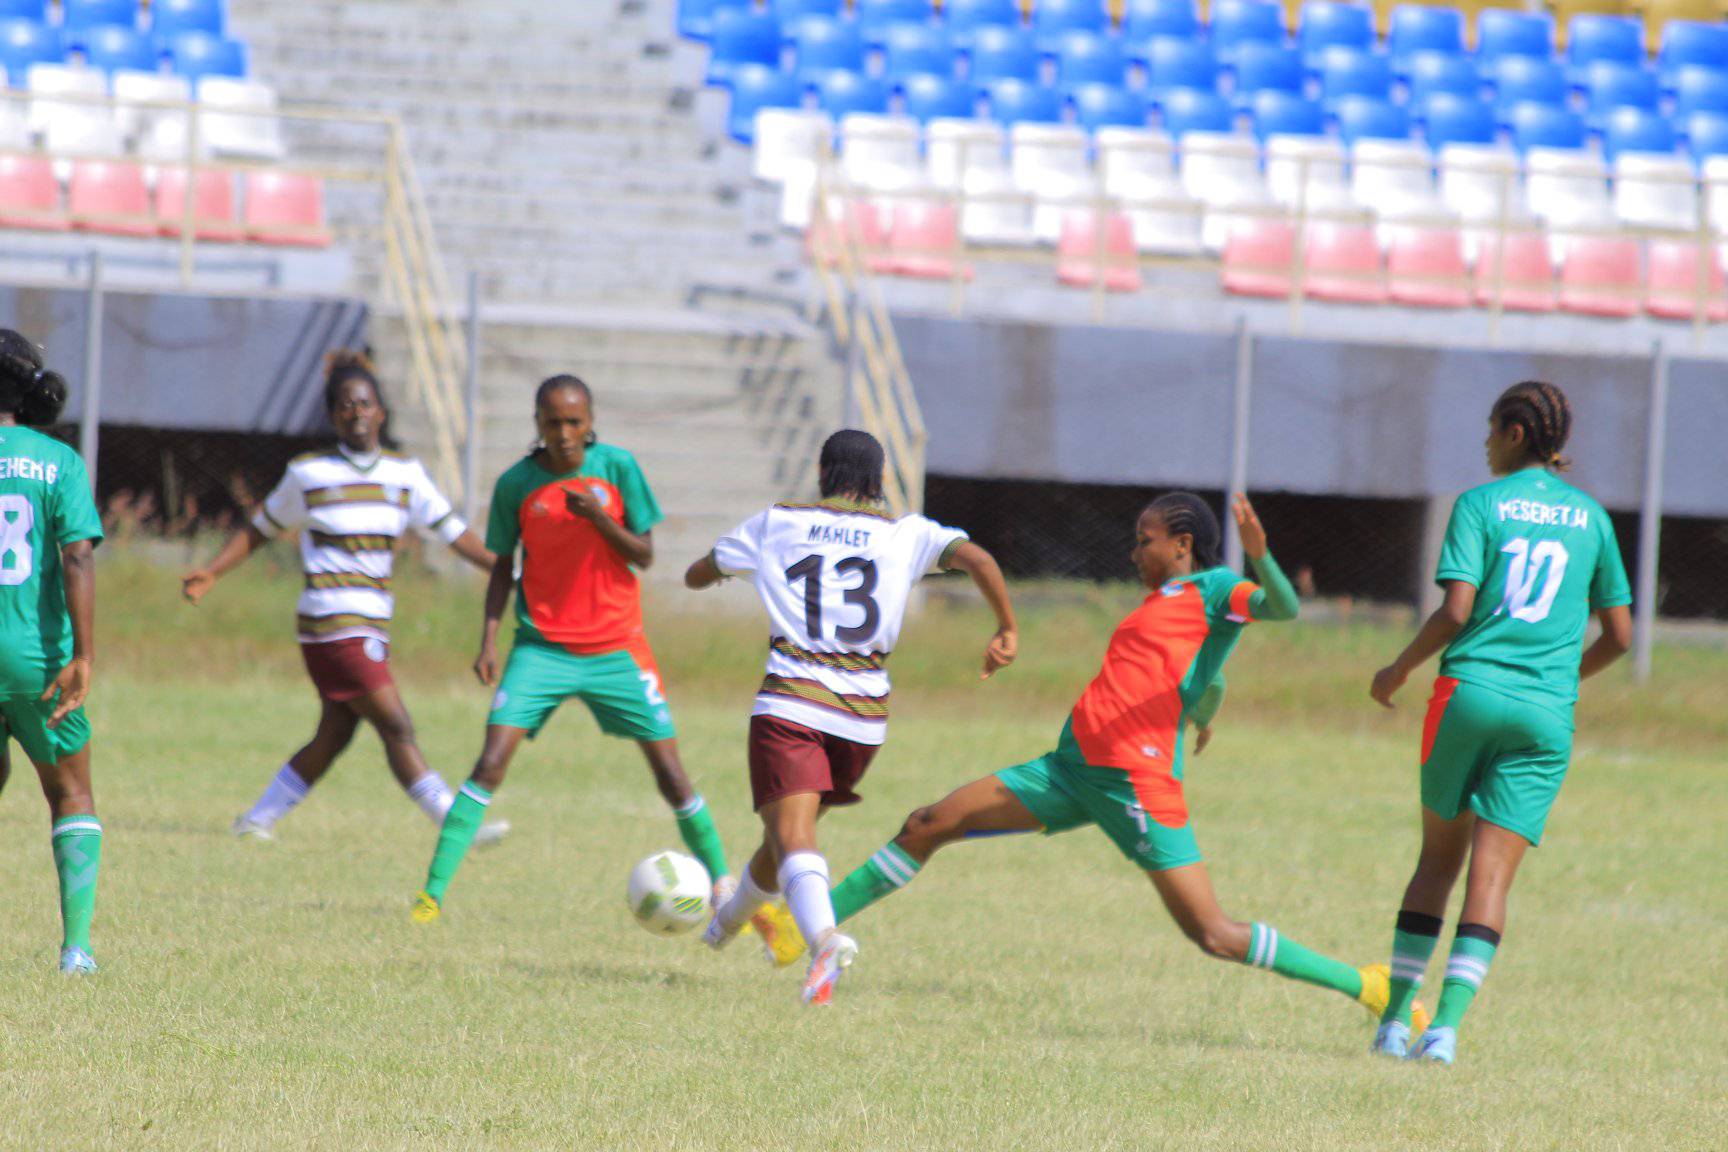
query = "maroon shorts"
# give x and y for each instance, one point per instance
(342, 670)
(788, 758)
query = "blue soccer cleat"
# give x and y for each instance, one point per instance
(1392, 1039)
(1437, 1044)
(77, 962)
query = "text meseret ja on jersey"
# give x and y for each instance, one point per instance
(1536, 512)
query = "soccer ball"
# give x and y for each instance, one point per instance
(669, 893)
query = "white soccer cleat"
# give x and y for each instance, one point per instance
(1392, 1039)
(715, 935)
(491, 833)
(833, 956)
(247, 828)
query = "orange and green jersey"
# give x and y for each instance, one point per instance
(575, 590)
(1163, 667)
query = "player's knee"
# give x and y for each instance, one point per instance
(1216, 938)
(397, 729)
(489, 770)
(928, 828)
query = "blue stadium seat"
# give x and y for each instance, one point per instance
(199, 54)
(1699, 90)
(33, 10)
(1609, 85)
(1239, 22)
(1690, 43)
(1451, 119)
(1418, 28)
(112, 47)
(1173, 63)
(742, 36)
(1637, 130)
(843, 93)
(1143, 20)
(1432, 73)
(1333, 24)
(822, 44)
(911, 49)
(758, 86)
(965, 17)
(1592, 37)
(931, 97)
(25, 42)
(169, 18)
(1052, 20)
(77, 15)
(696, 17)
(875, 17)
(1707, 134)
(1090, 58)
(1353, 72)
(1003, 53)
(1527, 80)
(1364, 118)
(1261, 67)
(1504, 32)
(1019, 101)
(1279, 113)
(1106, 105)
(1192, 110)
(1545, 126)
(789, 12)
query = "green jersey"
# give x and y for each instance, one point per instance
(45, 504)
(1542, 556)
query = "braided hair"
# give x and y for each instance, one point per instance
(851, 465)
(29, 391)
(1185, 514)
(347, 364)
(1542, 411)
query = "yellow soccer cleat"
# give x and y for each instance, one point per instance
(1376, 988)
(425, 910)
(780, 937)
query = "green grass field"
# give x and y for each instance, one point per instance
(1023, 994)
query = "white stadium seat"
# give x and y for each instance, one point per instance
(1658, 192)
(1568, 191)
(1480, 183)
(880, 152)
(1056, 193)
(46, 81)
(158, 133)
(236, 118)
(1164, 217)
(1222, 171)
(1126, 155)
(958, 147)
(1039, 152)
(1318, 162)
(1000, 214)
(1395, 180)
(789, 137)
(1716, 194)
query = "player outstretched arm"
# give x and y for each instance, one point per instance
(197, 583)
(705, 573)
(1437, 632)
(1276, 599)
(987, 575)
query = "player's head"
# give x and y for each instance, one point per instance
(564, 417)
(1529, 425)
(1175, 535)
(851, 465)
(354, 400)
(29, 393)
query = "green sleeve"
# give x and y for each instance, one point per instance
(1276, 597)
(1464, 554)
(503, 525)
(75, 515)
(1609, 587)
(1206, 709)
(641, 510)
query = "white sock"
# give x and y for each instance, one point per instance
(284, 791)
(433, 796)
(745, 903)
(804, 880)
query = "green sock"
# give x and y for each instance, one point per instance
(700, 835)
(460, 824)
(887, 871)
(1473, 950)
(1267, 949)
(77, 856)
(1412, 945)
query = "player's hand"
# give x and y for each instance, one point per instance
(486, 666)
(194, 585)
(583, 503)
(1249, 528)
(1000, 652)
(1202, 737)
(73, 684)
(1386, 682)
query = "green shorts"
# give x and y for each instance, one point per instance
(26, 718)
(621, 688)
(1503, 757)
(1064, 792)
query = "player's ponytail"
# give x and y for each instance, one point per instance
(345, 364)
(851, 465)
(1544, 413)
(1185, 514)
(29, 390)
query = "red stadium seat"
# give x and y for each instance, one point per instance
(1081, 264)
(858, 222)
(1343, 263)
(110, 196)
(923, 240)
(1425, 267)
(213, 216)
(1518, 272)
(1672, 288)
(29, 194)
(1259, 256)
(286, 208)
(1600, 277)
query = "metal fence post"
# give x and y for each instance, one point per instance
(1650, 515)
(471, 449)
(90, 419)
(1239, 439)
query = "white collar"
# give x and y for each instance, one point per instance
(362, 462)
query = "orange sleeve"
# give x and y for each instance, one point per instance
(1241, 601)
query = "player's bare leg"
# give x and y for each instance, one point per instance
(695, 823)
(294, 780)
(388, 715)
(77, 841)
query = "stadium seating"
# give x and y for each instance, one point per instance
(1001, 52)
(1307, 173)
(1263, 67)
(922, 241)
(1238, 22)
(213, 209)
(1594, 37)
(110, 196)
(30, 194)
(1545, 126)
(1144, 20)
(237, 119)
(171, 18)
(754, 87)
(789, 12)
(914, 50)
(1362, 118)
(1442, 74)
(159, 133)
(1521, 80)
(1287, 114)
(1094, 250)
(928, 98)
(86, 88)
(1425, 267)
(1698, 90)
(1353, 72)
(1418, 28)
(995, 212)
(1177, 63)
(879, 151)
(35, 10)
(112, 48)
(788, 139)
(844, 93)
(822, 44)
(1012, 101)
(199, 54)
(24, 43)
(1260, 258)
(1681, 286)
(285, 208)
(740, 37)
(696, 17)
(1599, 277)
(1457, 120)
(1686, 43)
(1054, 20)
(957, 147)
(77, 16)
(1514, 273)
(965, 17)
(875, 17)
(1503, 32)
(1104, 106)
(1084, 57)
(1328, 24)
(1341, 262)
(1655, 192)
